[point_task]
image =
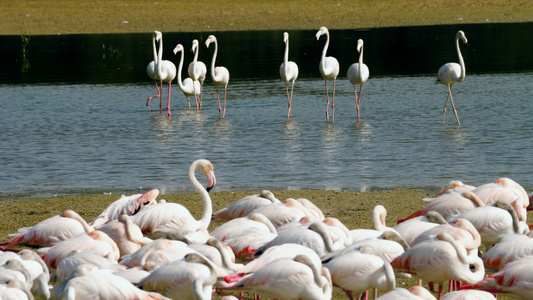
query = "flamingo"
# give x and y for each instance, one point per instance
(219, 75)
(468, 294)
(245, 205)
(379, 216)
(52, 230)
(89, 281)
(414, 293)
(14, 289)
(288, 72)
(283, 212)
(358, 271)
(128, 205)
(510, 248)
(286, 278)
(150, 70)
(515, 280)
(76, 258)
(440, 260)
(187, 86)
(412, 228)
(126, 234)
(197, 71)
(455, 186)
(507, 190)
(191, 278)
(451, 73)
(358, 74)
(236, 227)
(162, 70)
(329, 69)
(139, 257)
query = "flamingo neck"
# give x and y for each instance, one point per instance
(208, 208)
(361, 63)
(180, 66)
(214, 59)
(324, 51)
(286, 58)
(159, 57)
(155, 50)
(195, 59)
(461, 61)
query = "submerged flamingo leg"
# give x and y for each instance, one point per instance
(292, 88)
(327, 97)
(453, 107)
(289, 100)
(168, 101)
(224, 113)
(158, 94)
(333, 103)
(219, 107)
(446, 104)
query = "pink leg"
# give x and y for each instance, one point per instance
(356, 101)
(201, 93)
(289, 100)
(333, 103)
(327, 97)
(219, 107)
(158, 94)
(168, 102)
(224, 114)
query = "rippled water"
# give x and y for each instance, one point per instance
(77, 138)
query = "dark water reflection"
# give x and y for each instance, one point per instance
(122, 58)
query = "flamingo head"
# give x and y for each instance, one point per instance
(359, 45)
(321, 31)
(285, 37)
(158, 35)
(209, 40)
(206, 167)
(461, 35)
(179, 47)
(194, 45)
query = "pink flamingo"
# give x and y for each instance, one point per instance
(329, 69)
(414, 293)
(246, 205)
(510, 248)
(162, 70)
(440, 260)
(197, 71)
(128, 236)
(219, 75)
(52, 230)
(237, 227)
(468, 294)
(507, 190)
(288, 71)
(412, 228)
(451, 73)
(358, 74)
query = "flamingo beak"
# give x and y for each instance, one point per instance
(211, 180)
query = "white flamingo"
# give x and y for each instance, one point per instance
(162, 218)
(507, 190)
(197, 71)
(162, 70)
(358, 74)
(190, 278)
(286, 278)
(126, 234)
(219, 75)
(414, 293)
(510, 248)
(187, 86)
(288, 72)
(451, 73)
(329, 69)
(245, 205)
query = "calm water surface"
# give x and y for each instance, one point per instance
(84, 137)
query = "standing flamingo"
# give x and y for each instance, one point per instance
(197, 71)
(329, 69)
(162, 70)
(288, 72)
(157, 220)
(451, 73)
(187, 86)
(358, 74)
(219, 75)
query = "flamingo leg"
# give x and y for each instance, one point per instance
(453, 107)
(292, 88)
(158, 94)
(168, 101)
(219, 107)
(201, 93)
(356, 100)
(224, 113)
(446, 103)
(289, 100)
(327, 97)
(333, 103)
(440, 290)
(359, 100)
(196, 97)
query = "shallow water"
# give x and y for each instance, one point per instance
(82, 136)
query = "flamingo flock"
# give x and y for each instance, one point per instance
(144, 248)
(358, 73)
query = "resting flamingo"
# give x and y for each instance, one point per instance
(515, 279)
(510, 248)
(451, 73)
(14, 289)
(162, 70)
(414, 293)
(197, 71)
(52, 230)
(190, 278)
(412, 228)
(126, 234)
(379, 216)
(288, 72)
(468, 294)
(358, 74)
(245, 205)
(329, 69)
(219, 75)
(286, 278)
(507, 190)
(162, 218)
(187, 86)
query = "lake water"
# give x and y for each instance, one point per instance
(74, 119)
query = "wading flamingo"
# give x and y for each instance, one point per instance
(451, 73)
(162, 70)
(329, 69)
(158, 220)
(358, 74)
(288, 72)
(187, 86)
(197, 71)
(219, 75)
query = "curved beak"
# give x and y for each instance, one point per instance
(211, 180)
